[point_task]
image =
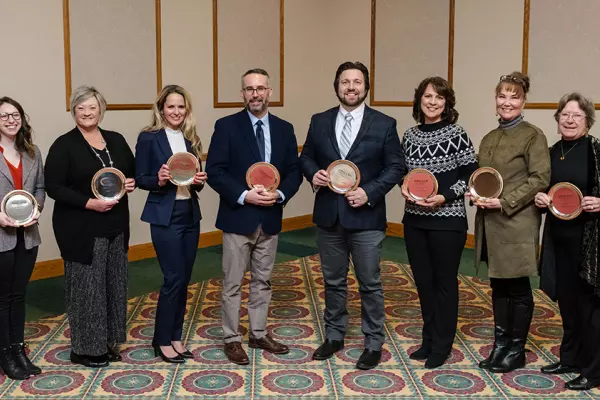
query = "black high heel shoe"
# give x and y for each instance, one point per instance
(178, 359)
(185, 354)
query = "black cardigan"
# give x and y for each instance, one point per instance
(70, 167)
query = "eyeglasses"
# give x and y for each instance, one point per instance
(249, 90)
(510, 78)
(16, 116)
(575, 117)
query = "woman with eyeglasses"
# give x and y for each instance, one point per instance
(172, 212)
(507, 228)
(569, 269)
(92, 234)
(21, 168)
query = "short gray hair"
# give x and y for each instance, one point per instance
(586, 105)
(83, 93)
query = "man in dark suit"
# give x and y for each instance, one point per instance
(251, 219)
(352, 224)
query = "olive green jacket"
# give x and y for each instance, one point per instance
(520, 154)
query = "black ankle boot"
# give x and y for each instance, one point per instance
(10, 366)
(515, 357)
(501, 332)
(18, 352)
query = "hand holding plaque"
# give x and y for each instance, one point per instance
(182, 168)
(420, 184)
(20, 206)
(263, 175)
(485, 183)
(344, 176)
(565, 201)
(108, 184)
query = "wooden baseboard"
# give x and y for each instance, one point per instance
(54, 268)
(396, 229)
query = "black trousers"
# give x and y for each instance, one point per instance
(16, 266)
(434, 257)
(176, 247)
(579, 307)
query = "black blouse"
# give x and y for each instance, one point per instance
(70, 166)
(574, 168)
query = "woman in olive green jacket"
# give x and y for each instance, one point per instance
(507, 229)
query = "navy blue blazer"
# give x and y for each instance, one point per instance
(377, 153)
(151, 152)
(233, 149)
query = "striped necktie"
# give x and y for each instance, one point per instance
(345, 143)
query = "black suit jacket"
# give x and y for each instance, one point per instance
(377, 153)
(233, 149)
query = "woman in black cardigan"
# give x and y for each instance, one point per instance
(569, 265)
(92, 234)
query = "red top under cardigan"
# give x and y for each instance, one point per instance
(16, 172)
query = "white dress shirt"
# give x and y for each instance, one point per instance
(267, 135)
(357, 115)
(177, 143)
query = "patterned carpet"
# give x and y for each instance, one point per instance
(297, 300)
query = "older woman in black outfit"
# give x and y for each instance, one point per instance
(92, 234)
(570, 248)
(21, 168)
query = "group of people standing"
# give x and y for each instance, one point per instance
(93, 234)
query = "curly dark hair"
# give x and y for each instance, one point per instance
(24, 138)
(443, 88)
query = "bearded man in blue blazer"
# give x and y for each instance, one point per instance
(251, 218)
(352, 224)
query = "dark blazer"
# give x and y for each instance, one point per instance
(151, 152)
(233, 149)
(70, 167)
(33, 182)
(377, 153)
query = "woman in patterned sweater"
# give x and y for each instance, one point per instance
(435, 230)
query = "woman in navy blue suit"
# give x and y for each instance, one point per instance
(172, 211)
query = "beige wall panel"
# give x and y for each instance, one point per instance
(248, 37)
(411, 43)
(113, 47)
(564, 51)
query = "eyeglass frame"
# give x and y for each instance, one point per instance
(6, 116)
(249, 90)
(575, 117)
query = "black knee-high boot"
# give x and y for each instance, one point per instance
(521, 320)
(502, 342)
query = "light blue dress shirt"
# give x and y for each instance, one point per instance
(267, 135)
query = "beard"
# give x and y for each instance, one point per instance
(258, 107)
(358, 101)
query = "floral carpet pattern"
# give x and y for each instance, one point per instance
(295, 317)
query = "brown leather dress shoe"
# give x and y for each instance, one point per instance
(236, 353)
(268, 344)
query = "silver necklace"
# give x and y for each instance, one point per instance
(110, 161)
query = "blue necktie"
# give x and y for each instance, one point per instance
(260, 138)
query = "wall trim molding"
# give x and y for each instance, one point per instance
(407, 103)
(525, 60)
(67, 51)
(239, 104)
(54, 268)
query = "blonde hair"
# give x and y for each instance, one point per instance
(83, 93)
(188, 126)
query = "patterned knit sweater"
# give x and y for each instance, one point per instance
(446, 151)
